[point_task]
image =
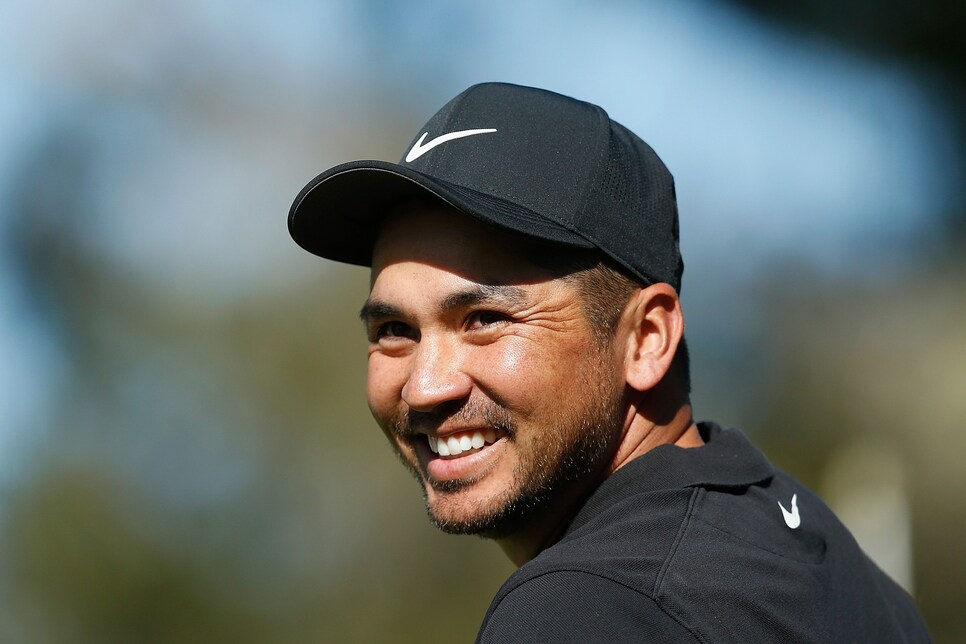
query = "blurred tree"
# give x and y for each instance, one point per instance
(855, 364)
(210, 472)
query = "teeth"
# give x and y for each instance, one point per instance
(456, 445)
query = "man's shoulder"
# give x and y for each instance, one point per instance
(628, 543)
(560, 605)
(724, 562)
(598, 582)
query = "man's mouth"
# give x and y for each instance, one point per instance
(462, 443)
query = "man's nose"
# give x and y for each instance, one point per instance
(437, 376)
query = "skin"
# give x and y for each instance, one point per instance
(467, 334)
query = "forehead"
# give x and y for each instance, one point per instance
(454, 242)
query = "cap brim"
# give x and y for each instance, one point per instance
(337, 215)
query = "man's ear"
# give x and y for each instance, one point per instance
(654, 327)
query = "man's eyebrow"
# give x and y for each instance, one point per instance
(513, 296)
(485, 294)
(377, 310)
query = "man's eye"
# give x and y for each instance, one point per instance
(482, 319)
(394, 329)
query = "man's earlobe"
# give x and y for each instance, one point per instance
(655, 325)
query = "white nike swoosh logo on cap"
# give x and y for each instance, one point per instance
(419, 149)
(792, 518)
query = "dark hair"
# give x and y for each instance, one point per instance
(605, 290)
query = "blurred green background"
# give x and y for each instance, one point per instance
(185, 449)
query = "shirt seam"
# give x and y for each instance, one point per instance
(657, 603)
(658, 593)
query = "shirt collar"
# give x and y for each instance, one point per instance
(726, 460)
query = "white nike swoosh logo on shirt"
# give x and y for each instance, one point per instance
(419, 149)
(792, 518)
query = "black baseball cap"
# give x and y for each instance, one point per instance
(525, 159)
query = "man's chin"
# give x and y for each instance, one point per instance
(457, 513)
(483, 527)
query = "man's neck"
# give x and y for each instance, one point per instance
(546, 526)
(641, 435)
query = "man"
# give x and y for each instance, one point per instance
(527, 363)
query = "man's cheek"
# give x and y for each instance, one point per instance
(383, 387)
(508, 360)
(519, 377)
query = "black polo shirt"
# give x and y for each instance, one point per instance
(709, 544)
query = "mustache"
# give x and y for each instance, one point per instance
(482, 413)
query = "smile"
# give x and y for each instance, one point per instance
(462, 443)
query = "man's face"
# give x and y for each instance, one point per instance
(484, 373)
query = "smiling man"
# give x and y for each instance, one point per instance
(527, 363)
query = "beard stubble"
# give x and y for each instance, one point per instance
(570, 447)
